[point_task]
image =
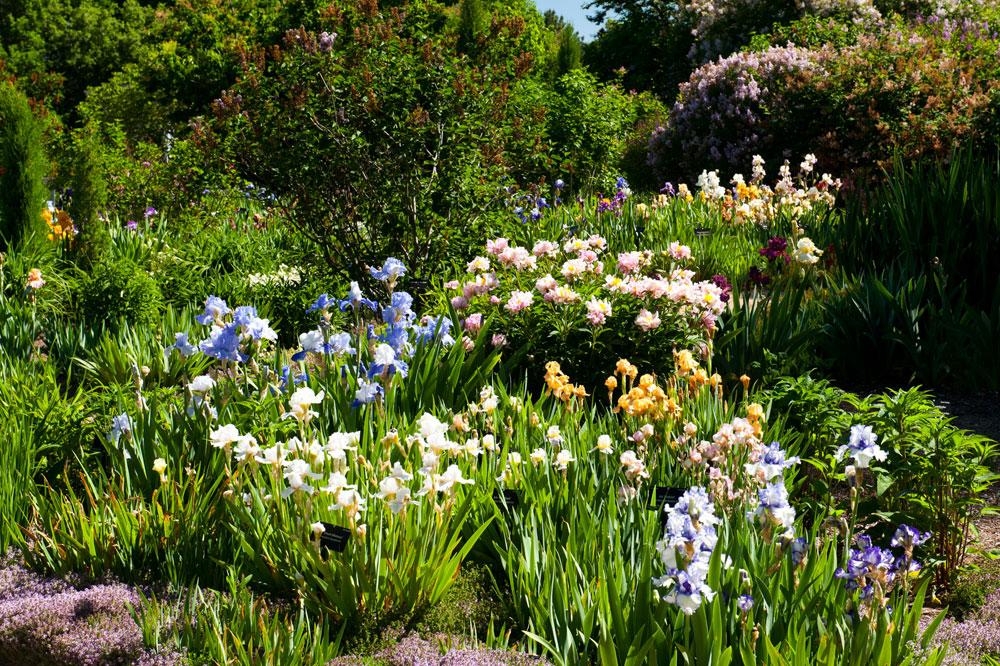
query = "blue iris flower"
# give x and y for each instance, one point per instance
(183, 345)
(435, 329)
(215, 308)
(339, 343)
(243, 315)
(322, 304)
(386, 363)
(120, 425)
(288, 378)
(399, 310)
(368, 392)
(223, 344)
(397, 337)
(392, 269)
(355, 299)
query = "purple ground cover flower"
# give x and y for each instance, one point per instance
(412, 650)
(44, 621)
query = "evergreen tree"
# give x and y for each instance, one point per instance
(23, 168)
(90, 195)
(570, 54)
(472, 21)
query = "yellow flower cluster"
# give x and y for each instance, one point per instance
(688, 369)
(560, 386)
(643, 398)
(60, 224)
(755, 416)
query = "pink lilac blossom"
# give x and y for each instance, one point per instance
(720, 115)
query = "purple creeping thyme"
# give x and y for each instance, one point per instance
(412, 650)
(969, 641)
(976, 637)
(44, 621)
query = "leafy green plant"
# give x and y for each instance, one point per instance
(768, 334)
(874, 328)
(395, 563)
(88, 205)
(115, 357)
(17, 480)
(236, 626)
(365, 98)
(927, 285)
(117, 291)
(936, 475)
(587, 125)
(149, 502)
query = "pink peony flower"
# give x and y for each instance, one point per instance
(546, 284)
(544, 248)
(519, 300)
(678, 251)
(473, 323)
(598, 311)
(629, 262)
(496, 246)
(647, 320)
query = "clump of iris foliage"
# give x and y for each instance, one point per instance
(560, 416)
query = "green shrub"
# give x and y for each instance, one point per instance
(971, 588)
(590, 125)
(22, 169)
(935, 474)
(120, 290)
(60, 48)
(812, 31)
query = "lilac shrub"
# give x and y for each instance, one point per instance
(729, 110)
